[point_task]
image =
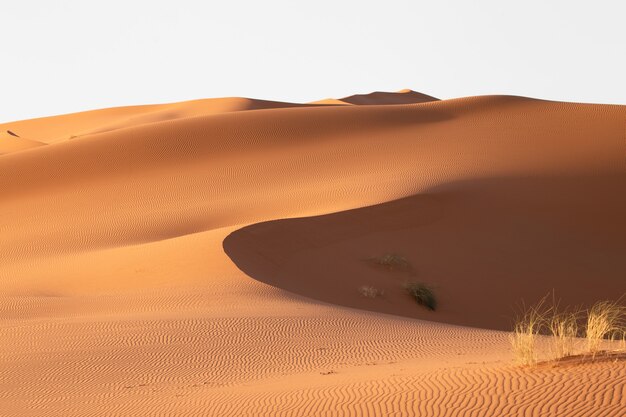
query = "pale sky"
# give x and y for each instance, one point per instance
(66, 56)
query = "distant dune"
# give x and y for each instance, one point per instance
(70, 126)
(138, 244)
(401, 97)
(380, 97)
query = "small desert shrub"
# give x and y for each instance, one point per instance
(422, 293)
(605, 319)
(370, 292)
(392, 262)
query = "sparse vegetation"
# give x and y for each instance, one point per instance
(564, 329)
(604, 320)
(370, 292)
(392, 262)
(423, 294)
(525, 332)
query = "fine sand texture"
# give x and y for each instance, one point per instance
(206, 257)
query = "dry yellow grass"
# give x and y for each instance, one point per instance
(606, 319)
(564, 329)
(525, 332)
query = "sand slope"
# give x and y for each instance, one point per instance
(10, 143)
(483, 245)
(117, 297)
(72, 126)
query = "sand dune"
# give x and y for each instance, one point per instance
(118, 297)
(405, 96)
(401, 97)
(71, 126)
(10, 142)
(484, 245)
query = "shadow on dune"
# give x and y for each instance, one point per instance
(484, 245)
(382, 97)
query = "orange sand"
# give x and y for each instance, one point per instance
(123, 230)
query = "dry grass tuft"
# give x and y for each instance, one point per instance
(370, 292)
(392, 262)
(564, 329)
(606, 319)
(527, 328)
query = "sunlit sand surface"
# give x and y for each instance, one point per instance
(205, 257)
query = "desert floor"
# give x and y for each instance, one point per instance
(205, 257)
